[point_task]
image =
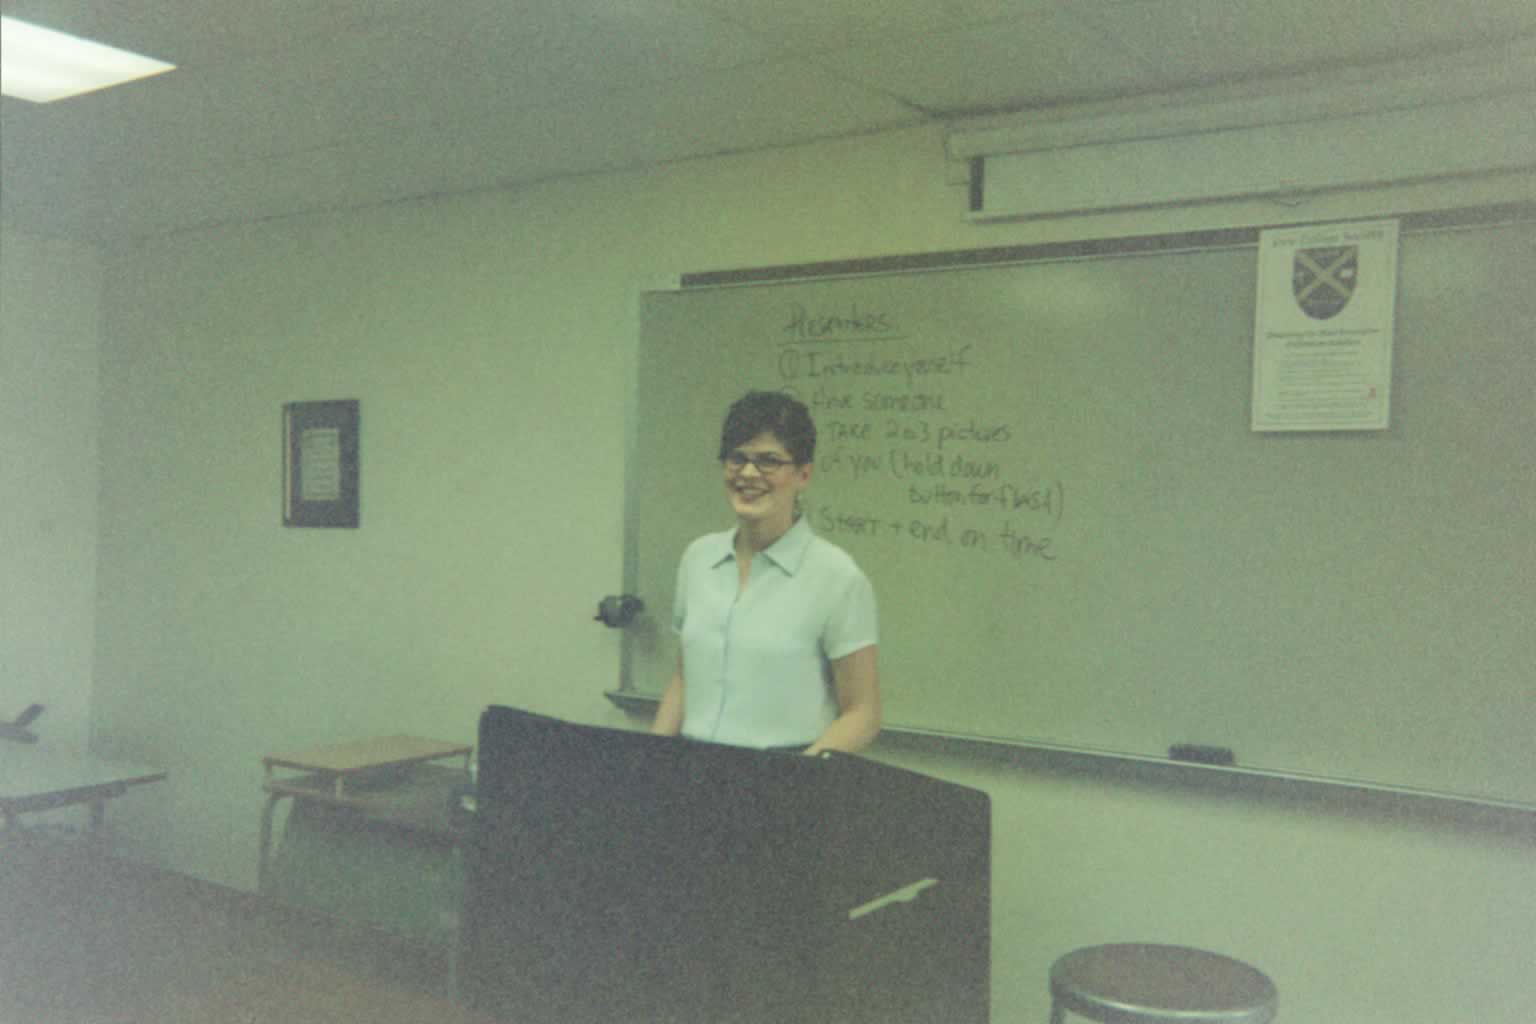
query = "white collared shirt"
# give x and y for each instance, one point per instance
(757, 662)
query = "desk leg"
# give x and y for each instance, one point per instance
(98, 818)
(95, 834)
(454, 948)
(456, 938)
(266, 841)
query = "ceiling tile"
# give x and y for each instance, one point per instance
(812, 26)
(288, 105)
(204, 32)
(748, 108)
(1042, 58)
(1192, 40)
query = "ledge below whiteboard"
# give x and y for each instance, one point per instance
(1145, 767)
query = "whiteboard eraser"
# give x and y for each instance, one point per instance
(1199, 753)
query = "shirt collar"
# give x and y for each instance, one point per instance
(788, 552)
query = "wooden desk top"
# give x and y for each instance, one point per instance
(367, 755)
(416, 797)
(33, 777)
(337, 763)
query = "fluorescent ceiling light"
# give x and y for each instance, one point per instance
(42, 65)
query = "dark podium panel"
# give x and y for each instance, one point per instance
(622, 878)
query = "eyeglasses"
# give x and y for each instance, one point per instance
(766, 462)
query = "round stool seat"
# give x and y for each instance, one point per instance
(1139, 983)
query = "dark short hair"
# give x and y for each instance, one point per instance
(770, 412)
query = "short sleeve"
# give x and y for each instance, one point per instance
(854, 622)
(680, 594)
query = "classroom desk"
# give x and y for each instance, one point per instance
(373, 835)
(359, 761)
(379, 778)
(35, 778)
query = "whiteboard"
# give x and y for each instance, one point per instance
(1048, 471)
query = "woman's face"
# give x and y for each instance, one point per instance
(762, 482)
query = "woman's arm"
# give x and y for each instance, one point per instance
(669, 716)
(857, 680)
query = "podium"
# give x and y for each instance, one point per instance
(621, 878)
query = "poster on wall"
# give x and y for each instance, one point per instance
(1322, 357)
(320, 463)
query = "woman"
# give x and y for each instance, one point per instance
(777, 627)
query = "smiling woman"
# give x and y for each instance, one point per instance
(777, 626)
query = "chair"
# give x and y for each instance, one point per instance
(1141, 983)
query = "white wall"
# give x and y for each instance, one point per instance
(490, 341)
(49, 331)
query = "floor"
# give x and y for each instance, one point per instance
(85, 939)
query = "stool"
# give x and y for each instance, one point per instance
(1139, 983)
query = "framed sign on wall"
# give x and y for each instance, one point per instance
(320, 463)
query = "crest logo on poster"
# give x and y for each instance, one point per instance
(1323, 280)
